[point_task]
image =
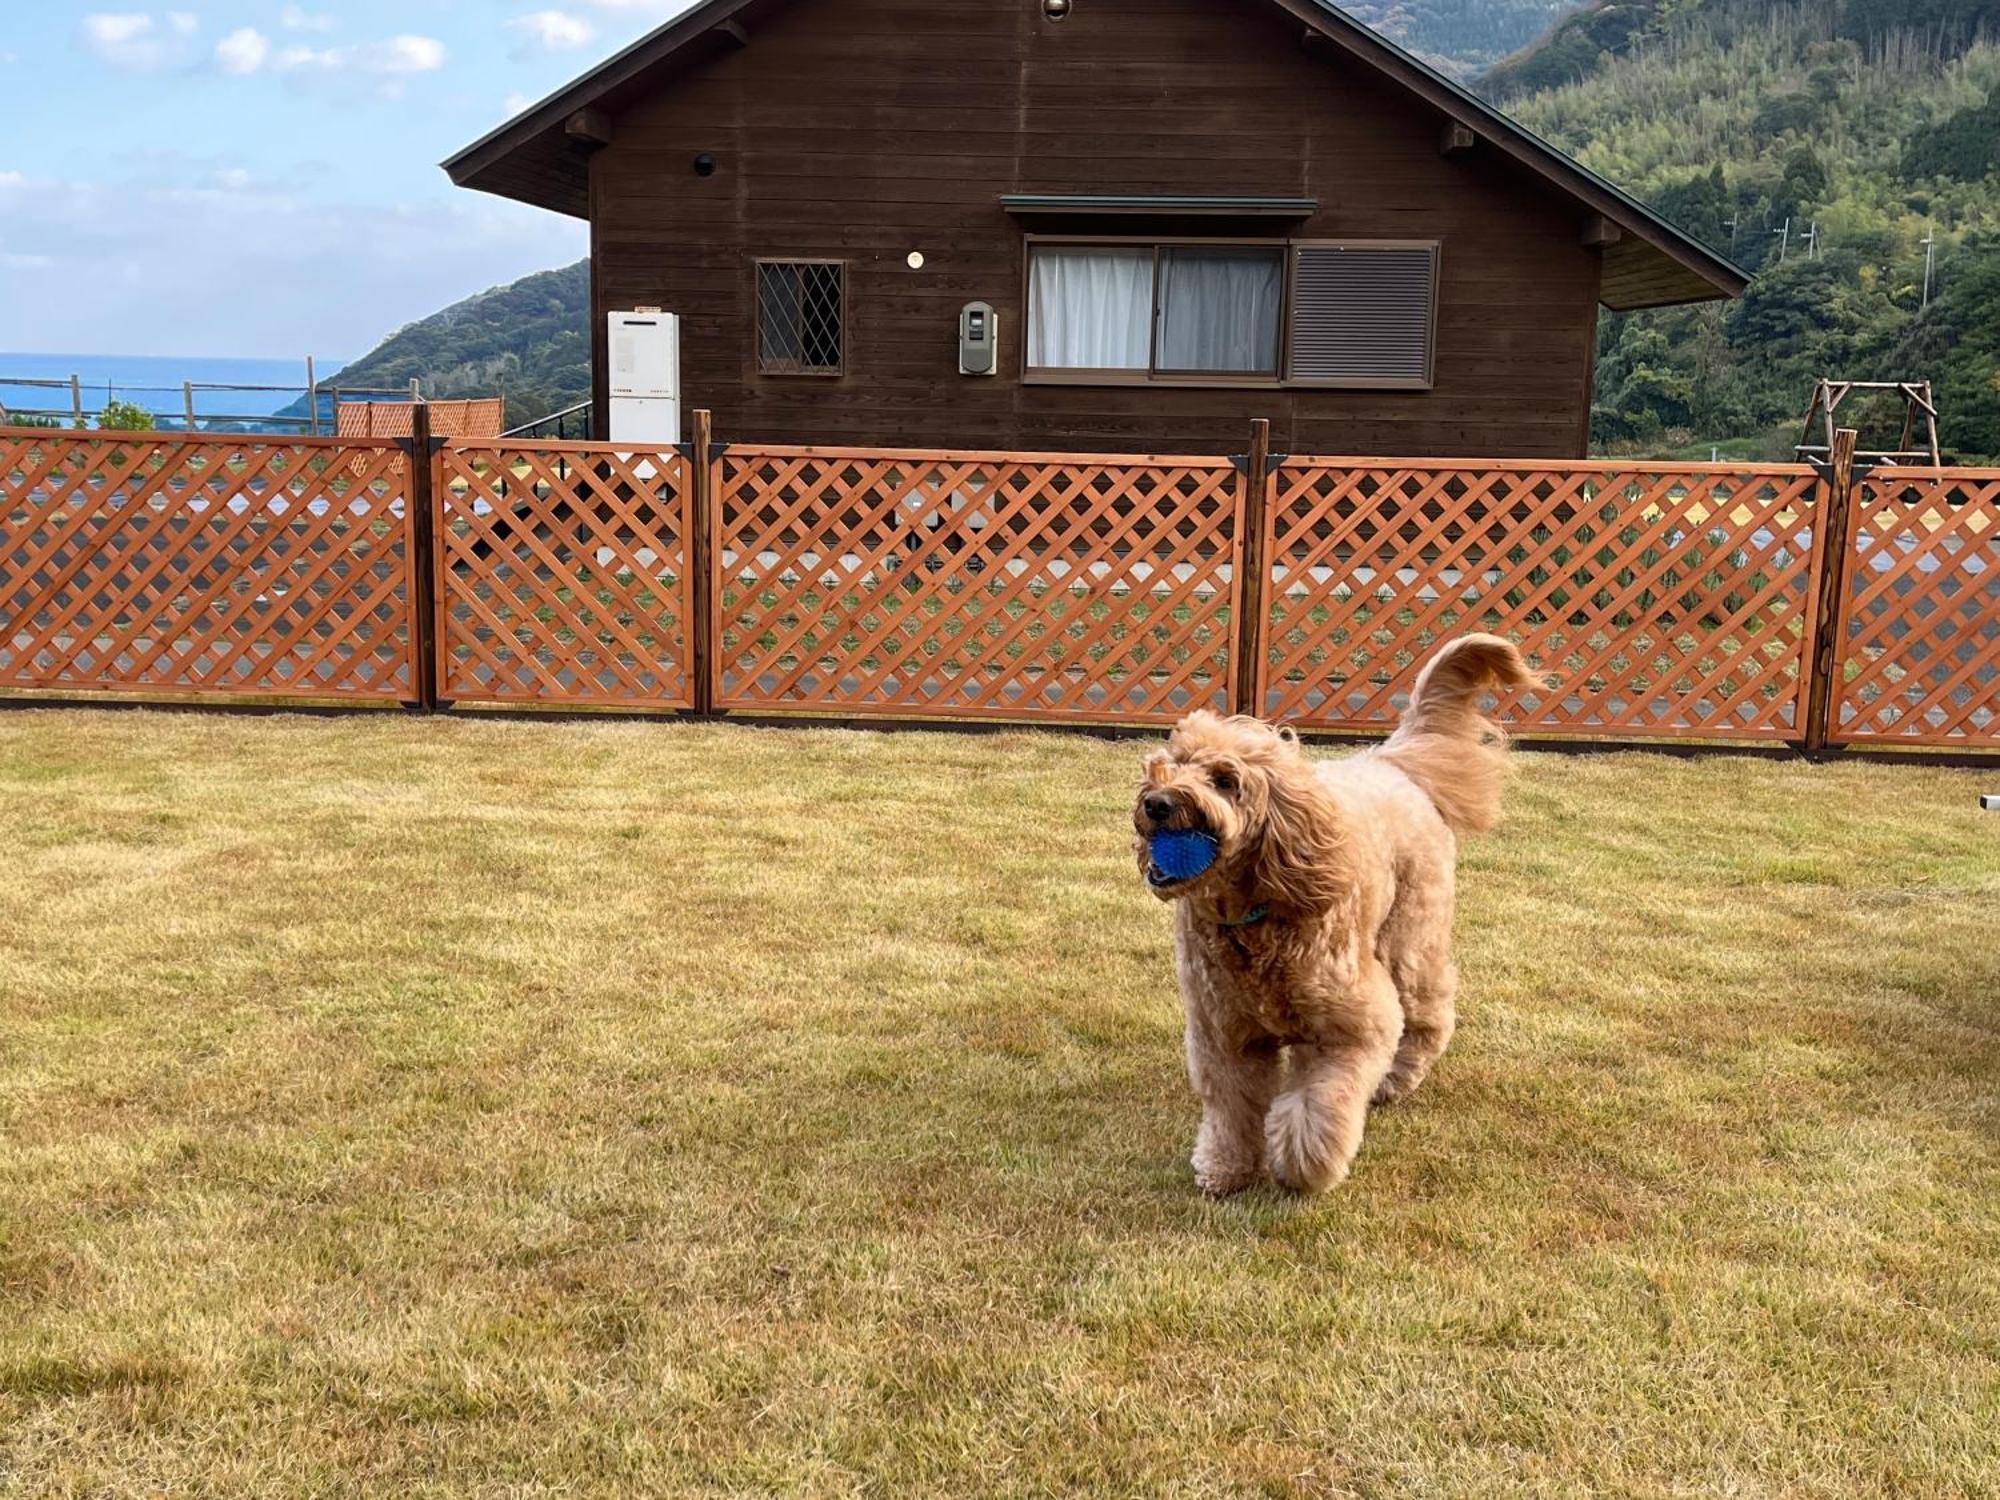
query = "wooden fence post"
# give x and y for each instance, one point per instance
(1835, 539)
(700, 563)
(1249, 643)
(421, 501)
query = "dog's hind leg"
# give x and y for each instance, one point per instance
(1314, 1128)
(1415, 942)
(1430, 1015)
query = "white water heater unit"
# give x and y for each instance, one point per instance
(645, 377)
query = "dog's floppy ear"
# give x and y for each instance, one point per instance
(1301, 855)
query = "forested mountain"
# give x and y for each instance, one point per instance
(1608, 29)
(529, 339)
(1819, 147)
(1460, 36)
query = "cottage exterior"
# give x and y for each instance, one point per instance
(1180, 213)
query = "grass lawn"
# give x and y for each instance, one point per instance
(454, 1108)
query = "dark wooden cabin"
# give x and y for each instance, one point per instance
(1185, 213)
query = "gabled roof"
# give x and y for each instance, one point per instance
(535, 157)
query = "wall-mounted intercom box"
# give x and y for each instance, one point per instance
(978, 339)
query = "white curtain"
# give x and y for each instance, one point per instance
(1219, 309)
(1090, 309)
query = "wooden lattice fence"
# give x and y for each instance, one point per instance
(1919, 630)
(180, 564)
(1084, 589)
(1671, 600)
(563, 575)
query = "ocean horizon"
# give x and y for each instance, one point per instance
(157, 382)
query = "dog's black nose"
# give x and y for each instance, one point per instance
(1158, 805)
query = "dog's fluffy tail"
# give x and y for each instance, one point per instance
(1444, 744)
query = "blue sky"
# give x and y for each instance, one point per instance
(259, 177)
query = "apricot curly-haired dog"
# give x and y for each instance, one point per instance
(1314, 953)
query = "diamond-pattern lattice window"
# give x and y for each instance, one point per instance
(801, 317)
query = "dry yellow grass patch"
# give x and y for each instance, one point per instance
(441, 1107)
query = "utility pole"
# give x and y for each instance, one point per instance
(1784, 239)
(1731, 223)
(1812, 241)
(1929, 242)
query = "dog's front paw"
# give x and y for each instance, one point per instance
(1307, 1174)
(1396, 1085)
(1222, 1179)
(1304, 1156)
(1223, 1184)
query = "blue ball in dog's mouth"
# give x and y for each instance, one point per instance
(1179, 854)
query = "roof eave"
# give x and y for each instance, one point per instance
(466, 166)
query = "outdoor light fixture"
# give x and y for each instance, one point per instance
(704, 165)
(1055, 10)
(914, 260)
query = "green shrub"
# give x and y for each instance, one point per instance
(124, 416)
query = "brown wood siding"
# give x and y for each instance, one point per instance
(861, 130)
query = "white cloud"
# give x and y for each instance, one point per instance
(292, 18)
(554, 30)
(115, 30)
(388, 62)
(13, 179)
(13, 262)
(404, 54)
(514, 103)
(243, 51)
(399, 54)
(133, 42)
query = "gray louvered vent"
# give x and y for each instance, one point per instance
(1362, 315)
